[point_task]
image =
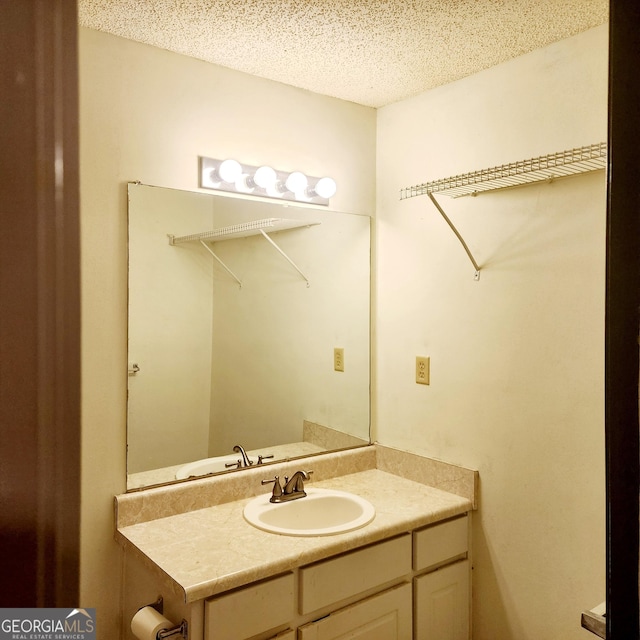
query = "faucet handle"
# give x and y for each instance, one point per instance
(230, 465)
(277, 487)
(262, 458)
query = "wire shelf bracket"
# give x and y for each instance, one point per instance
(476, 266)
(243, 230)
(562, 164)
(221, 262)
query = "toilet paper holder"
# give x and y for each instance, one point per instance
(180, 629)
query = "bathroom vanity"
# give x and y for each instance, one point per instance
(404, 575)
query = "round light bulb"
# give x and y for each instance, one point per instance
(265, 177)
(325, 187)
(230, 170)
(296, 182)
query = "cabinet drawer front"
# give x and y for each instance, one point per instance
(249, 611)
(333, 580)
(386, 616)
(439, 543)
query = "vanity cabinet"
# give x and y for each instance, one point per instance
(415, 585)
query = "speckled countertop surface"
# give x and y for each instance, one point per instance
(210, 550)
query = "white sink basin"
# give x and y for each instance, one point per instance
(323, 512)
(206, 466)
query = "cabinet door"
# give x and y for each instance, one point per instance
(442, 603)
(386, 616)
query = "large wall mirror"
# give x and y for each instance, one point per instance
(232, 335)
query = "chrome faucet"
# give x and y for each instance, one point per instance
(293, 487)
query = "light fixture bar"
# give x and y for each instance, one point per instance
(264, 181)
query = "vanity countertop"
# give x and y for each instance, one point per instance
(209, 550)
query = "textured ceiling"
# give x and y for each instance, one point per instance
(372, 52)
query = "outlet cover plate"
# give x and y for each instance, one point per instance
(422, 369)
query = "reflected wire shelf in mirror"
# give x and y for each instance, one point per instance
(245, 230)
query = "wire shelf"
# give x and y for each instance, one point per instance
(541, 169)
(244, 229)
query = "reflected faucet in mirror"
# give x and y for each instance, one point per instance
(220, 364)
(245, 461)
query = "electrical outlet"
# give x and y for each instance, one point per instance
(422, 369)
(338, 359)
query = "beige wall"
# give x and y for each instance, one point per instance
(147, 115)
(517, 358)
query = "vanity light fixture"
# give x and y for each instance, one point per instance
(235, 177)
